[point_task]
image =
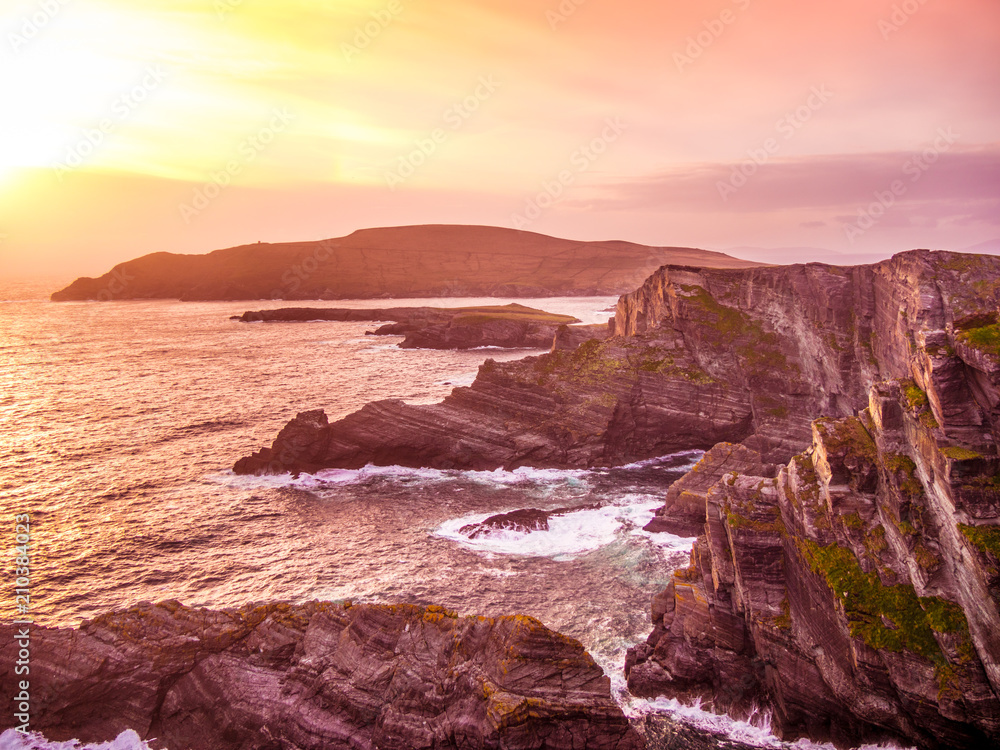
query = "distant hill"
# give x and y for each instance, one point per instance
(415, 261)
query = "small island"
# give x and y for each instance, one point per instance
(510, 326)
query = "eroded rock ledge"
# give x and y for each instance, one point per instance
(510, 326)
(317, 676)
(698, 356)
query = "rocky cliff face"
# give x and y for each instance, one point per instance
(848, 571)
(855, 591)
(698, 356)
(317, 676)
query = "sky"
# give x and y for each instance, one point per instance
(861, 128)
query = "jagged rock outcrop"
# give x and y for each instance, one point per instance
(522, 520)
(856, 592)
(683, 513)
(510, 326)
(698, 356)
(606, 402)
(569, 337)
(848, 574)
(317, 676)
(401, 262)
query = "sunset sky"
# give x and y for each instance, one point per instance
(862, 126)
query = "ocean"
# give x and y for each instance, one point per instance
(120, 422)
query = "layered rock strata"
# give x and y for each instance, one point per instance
(317, 676)
(698, 356)
(848, 570)
(856, 591)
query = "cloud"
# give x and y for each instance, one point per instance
(952, 184)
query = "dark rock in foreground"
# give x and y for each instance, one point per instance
(317, 676)
(510, 326)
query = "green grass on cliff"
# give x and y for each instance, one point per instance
(904, 471)
(848, 435)
(756, 349)
(599, 363)
(917, 401)
(893, 617)
(985, 338)
(957, 453)
(984, 538)
(480, 315)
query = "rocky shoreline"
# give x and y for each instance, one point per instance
(318, 676)
(509, 326)
(846, 572)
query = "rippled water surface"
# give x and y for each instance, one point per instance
(119, 423)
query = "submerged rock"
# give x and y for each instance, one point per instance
(317, 676)
(524, 520)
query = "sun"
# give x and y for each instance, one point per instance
(57, 85)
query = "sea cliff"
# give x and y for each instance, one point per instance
(847, 569)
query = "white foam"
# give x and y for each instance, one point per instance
(753, 731)
(692, 456)
(643, 513)
(568, 535)
(528, 475)
(339, 477)
(14, 740)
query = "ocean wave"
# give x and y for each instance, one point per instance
(569, 534)
(756, 730)
(339, 477)
(679, 461)
(14, 740)
(504, 477)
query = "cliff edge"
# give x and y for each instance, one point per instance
(315, 676)
(848, 569)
